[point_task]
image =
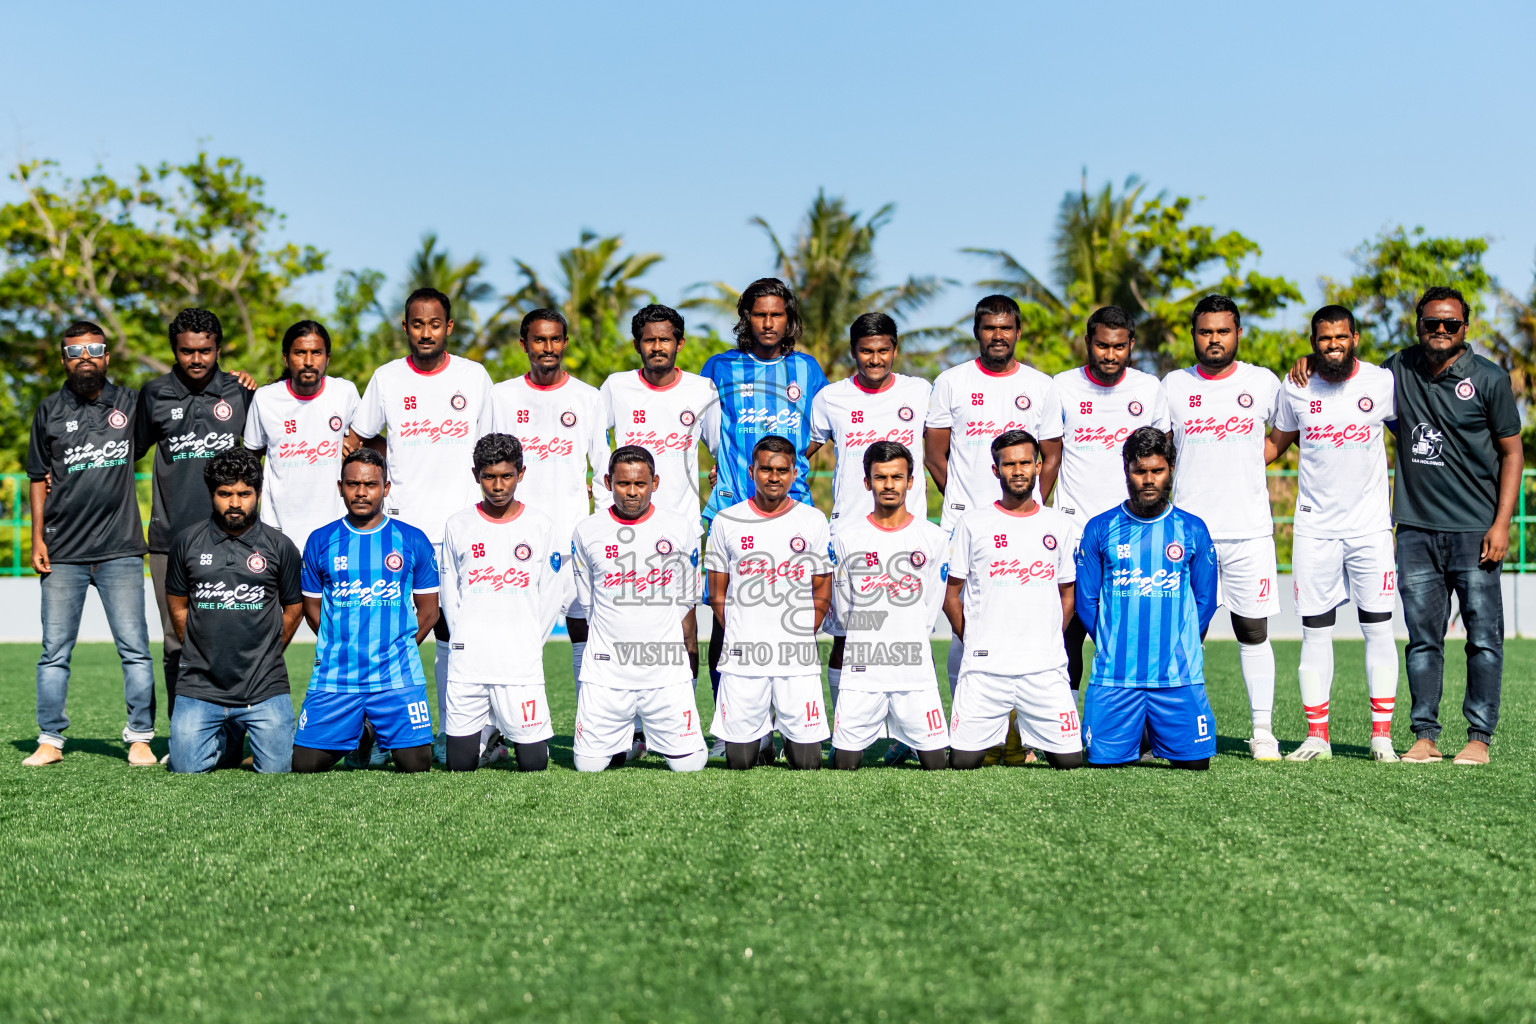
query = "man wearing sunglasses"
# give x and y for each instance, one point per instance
(1459, 459)
(86, 532)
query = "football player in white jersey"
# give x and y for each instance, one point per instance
(1343, 524)
(501, 589)
(888, 589)
(1102, 401)
(666, 411)
(973, 403)
(1009, 596)
(299, 424)
(1219, 408)
(875, 404)
(771, 584)
(637, 567)
(431, 407)
(563, 429)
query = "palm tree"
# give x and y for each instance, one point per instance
(831, 266)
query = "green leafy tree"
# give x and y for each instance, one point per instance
(830, 264)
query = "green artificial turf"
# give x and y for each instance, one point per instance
(1340, 891)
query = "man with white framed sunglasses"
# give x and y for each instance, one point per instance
(86, 531)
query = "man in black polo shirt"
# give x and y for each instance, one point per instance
(86, 530)
(189, 415)
(1458, 477)
(232, 584)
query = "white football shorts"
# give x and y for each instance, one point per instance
(1046, 706)
(748, 708)
(520, 712)
(1327, 571)
(1246, 577)
(606, 715)
(913, 717)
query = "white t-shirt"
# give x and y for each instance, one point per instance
(563, 429)
(1219, 429)
(433, 421)
(1013, 566)
(302, 437)
(638, 579)
(1096, 419)
(770, 621)
(501, 591)
(977, 405)
(853, 418)
(1342, 478)
(889, 588)
(669, 422)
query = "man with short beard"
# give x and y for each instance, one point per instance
(86, 532)
(1343, 523)
(232, 584)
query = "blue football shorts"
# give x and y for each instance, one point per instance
(1179, 719)
(334, 721)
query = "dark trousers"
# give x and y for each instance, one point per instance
(1432, 565)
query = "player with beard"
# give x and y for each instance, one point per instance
(971, 404)
(1146, 590)
(232, 583)
(889, 586)
(299, 424)
(1343, 523)
(1219, 408)
(370, 589)
(562, 426)
(188, 416)
(1008, 600)
(1102, 401)
(431, 407)
(86, 532)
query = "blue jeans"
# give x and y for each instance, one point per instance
(1431, 565)
(120, 584)
(200, 733)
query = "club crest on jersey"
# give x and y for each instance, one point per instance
(793, 392)
(663, 546)
(687, 418)
(1465, 390)
(1175, 550)
(1049, 540)
(393, 561)
(336, 424)
(256, 562)
(919, 559)
(554, 560)
(1022, 403)
(1135, 408)
(115, 419)
(797, 544)
(904, 413)
(223, 410)
(568, 418)
(458, 401)
(1245, 400)
(522, 552)
(1365, 403)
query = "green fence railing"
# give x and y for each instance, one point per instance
(16, 518)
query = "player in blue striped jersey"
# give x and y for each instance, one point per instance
(1146, 591)
(370, 595)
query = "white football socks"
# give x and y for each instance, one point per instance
(1258, 661)
(956, 652)
(578, 648)
(1380, 674)
(834, 677)
(1315, 674)
(440, 676)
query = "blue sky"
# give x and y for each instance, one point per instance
(508, 128)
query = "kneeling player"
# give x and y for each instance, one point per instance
(889, 586)
(770, 583)
(1008, 599)
(636, 569)
(501, 591)
(1146, 591)
(370, 595)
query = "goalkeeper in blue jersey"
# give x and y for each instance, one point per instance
(1146, 591)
